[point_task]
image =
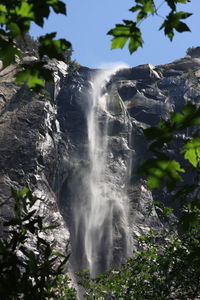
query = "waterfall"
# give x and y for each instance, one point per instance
(104, 199)
(98, 230)
(100, 203)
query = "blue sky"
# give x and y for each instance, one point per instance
(88, 21)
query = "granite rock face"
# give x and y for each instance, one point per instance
(30, 144)
(44, 142)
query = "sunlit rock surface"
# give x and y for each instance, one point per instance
(44, 144)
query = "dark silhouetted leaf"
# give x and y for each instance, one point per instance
(53, 48)
(159, 172)
(144, 7)
(35, 75)
(173, 21)
(8, 52)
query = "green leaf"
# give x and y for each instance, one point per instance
(29, 215)
(135, 8)
(8, 52)
(160, 171)
(32, 78)
(145, 7)
(124, 32)
(35, 75)
(58, 254)
(3, 14)
(3, 9)
(14, 30)
(153, 182)
(189, 116)
(192, 151)
(25, 10)
(24, 191)
(173, 22)
(181, 27)
(44, 7)
(3, 19)
(134, 45)
(53, 48)
(118, 42)
(192, 157)
(59, 7)
(172, 3)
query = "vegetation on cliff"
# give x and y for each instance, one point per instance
(30, 266)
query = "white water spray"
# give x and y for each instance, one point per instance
(105, 213)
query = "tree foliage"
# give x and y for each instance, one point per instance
(167, 268)
(30, 268)
(15, 20)
(158, 168)
(170, 166)
(130, 31)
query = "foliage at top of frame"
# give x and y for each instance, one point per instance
(15, 21)
(130, 31)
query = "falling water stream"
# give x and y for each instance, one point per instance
(100, 229)
(105, 199)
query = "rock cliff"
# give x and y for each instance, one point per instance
(44, 141)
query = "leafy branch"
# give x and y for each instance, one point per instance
(130, 31)
(15, 21)
(30, 272)
(166, 169)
